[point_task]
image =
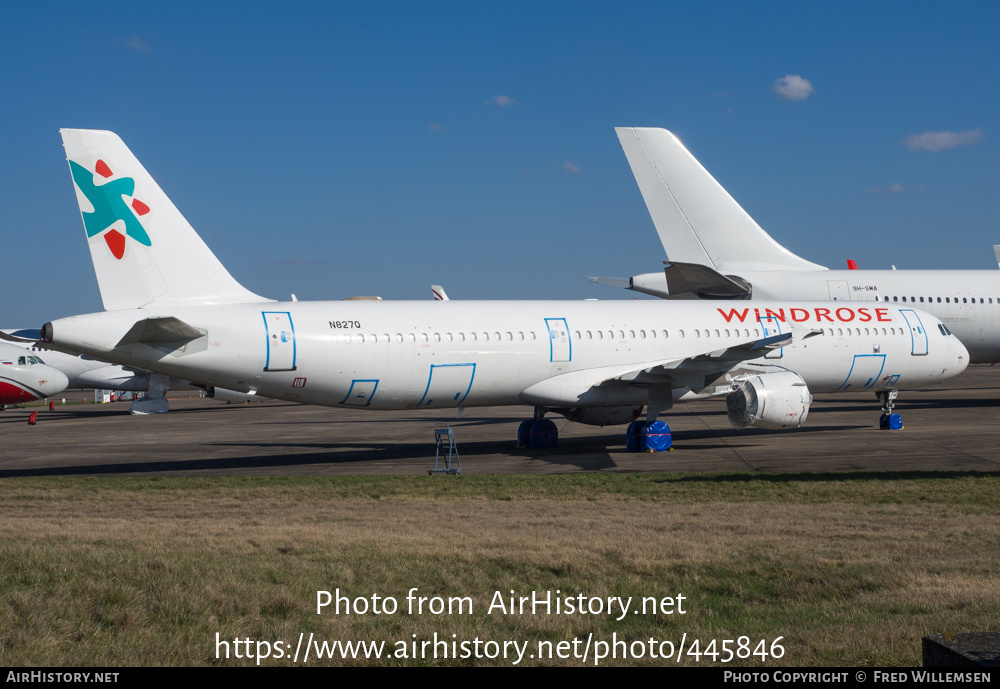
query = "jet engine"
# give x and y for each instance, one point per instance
(771, 400)
(601, 416)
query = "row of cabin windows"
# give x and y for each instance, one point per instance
(521, 336)
(947, 300)
(844, 332)
(434, 337)
(612, 335)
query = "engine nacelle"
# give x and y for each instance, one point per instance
(771, 400)
(601, 416)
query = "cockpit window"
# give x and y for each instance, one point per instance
(22, 361)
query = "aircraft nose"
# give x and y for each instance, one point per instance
(960, 354)
(51, 381)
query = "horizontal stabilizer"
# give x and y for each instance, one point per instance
(703, 282)
(159, 331)
(25, 335)
(621, 283)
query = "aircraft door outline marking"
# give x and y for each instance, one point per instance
(281, 347)
(366, 391)
(560, 345)
(445, 386)
(918, 333)
(863, 369)
(767, 332)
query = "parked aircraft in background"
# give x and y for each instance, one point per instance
(716, 250)
(174, 309)
(85, 373)
(24, 377)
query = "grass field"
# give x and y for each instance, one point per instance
(849, 569)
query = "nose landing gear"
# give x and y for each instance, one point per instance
(889, 421)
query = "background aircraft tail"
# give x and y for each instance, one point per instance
(697, 220)
(145, 253)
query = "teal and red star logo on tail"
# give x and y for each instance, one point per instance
(109, 204)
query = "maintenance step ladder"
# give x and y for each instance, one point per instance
(445, 439)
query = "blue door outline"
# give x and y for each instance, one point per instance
(279, 336)
(863, 370)
(771, 331)
(559, 350)
(362, 392)
(918, 334)
(451, 399)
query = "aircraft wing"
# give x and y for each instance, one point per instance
(602, 385)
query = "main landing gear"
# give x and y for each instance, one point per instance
(889, 421)
(652, 435)
(538, 432)
(642, 435)
(648, 436)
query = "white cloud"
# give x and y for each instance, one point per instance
(940, 141)
(894, 188)
(500, 102)
(571, 168)
(136, 43)
(793, 87)
(435, 127)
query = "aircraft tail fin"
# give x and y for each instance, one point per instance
(145, 253)
(696, 218)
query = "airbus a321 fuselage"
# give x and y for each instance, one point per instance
(174, 309)
(570, 355)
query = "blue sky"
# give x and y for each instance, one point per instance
(334, 149)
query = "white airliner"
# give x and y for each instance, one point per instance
(25, 377)
(174, 309)
(82, 372)
(716, 250)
